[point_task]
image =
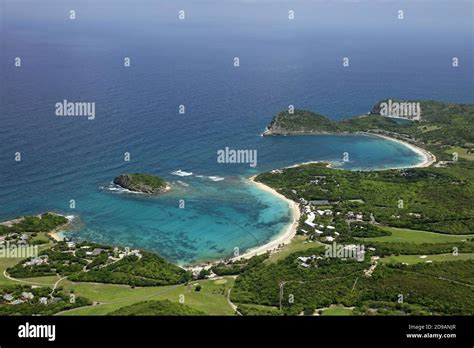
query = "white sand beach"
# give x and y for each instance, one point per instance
(287, 233)
(428, 157)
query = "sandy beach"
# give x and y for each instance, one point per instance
(289, 231)
(285, 236)
(57, 234)
(428, 157)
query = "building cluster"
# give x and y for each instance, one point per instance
(27, 297)
(308, 261)
(15, 238)
(115, 254)
(36, 261)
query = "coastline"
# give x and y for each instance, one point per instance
(288, 233)
(428, 157)
(57, 234)
(283, 237)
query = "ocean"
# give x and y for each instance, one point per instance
(190, 62)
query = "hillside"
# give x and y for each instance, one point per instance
(440, 124)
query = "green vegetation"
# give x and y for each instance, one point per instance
(399, 235)
(90, 262)
(298, 243)
(398, 215)
(43, 223)
(145, 183)
(438, 288)
(164, 307)
(410, 248)
(301, 121)
(27, 300)
(149, 270)
(462, 152)
(325, 283)
(413, 259)
(238, 266)
(211, 300)
(258, 310)
(430, 199)
(336, 311)
(442, 123)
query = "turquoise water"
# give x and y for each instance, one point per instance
(190, 63)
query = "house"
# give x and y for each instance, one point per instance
(330, 227)
(71, 245)
(319, 202)
(303, 258)
(37, 261)
(27, 295)
(329, 239)
(310, 219)
(17, 302)
(8, 297)
(318, 231)
(43, 300)
(96, 251)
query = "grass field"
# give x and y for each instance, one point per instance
(297, 244)
(6, 262)
(462, 153)
(334, 310)
(212, 299)
(41, 236)
(412, 259)
(401, 235)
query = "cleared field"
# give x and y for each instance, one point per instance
(462, 152)
(211, 299)
(41, 236)
(402, 235)
(337, 311)
(4, 264)
(412, 259)
(297, 244)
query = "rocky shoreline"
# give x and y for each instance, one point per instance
(142, 183)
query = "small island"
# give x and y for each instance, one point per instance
(144, 183)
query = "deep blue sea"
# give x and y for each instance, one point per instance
(190, 62)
